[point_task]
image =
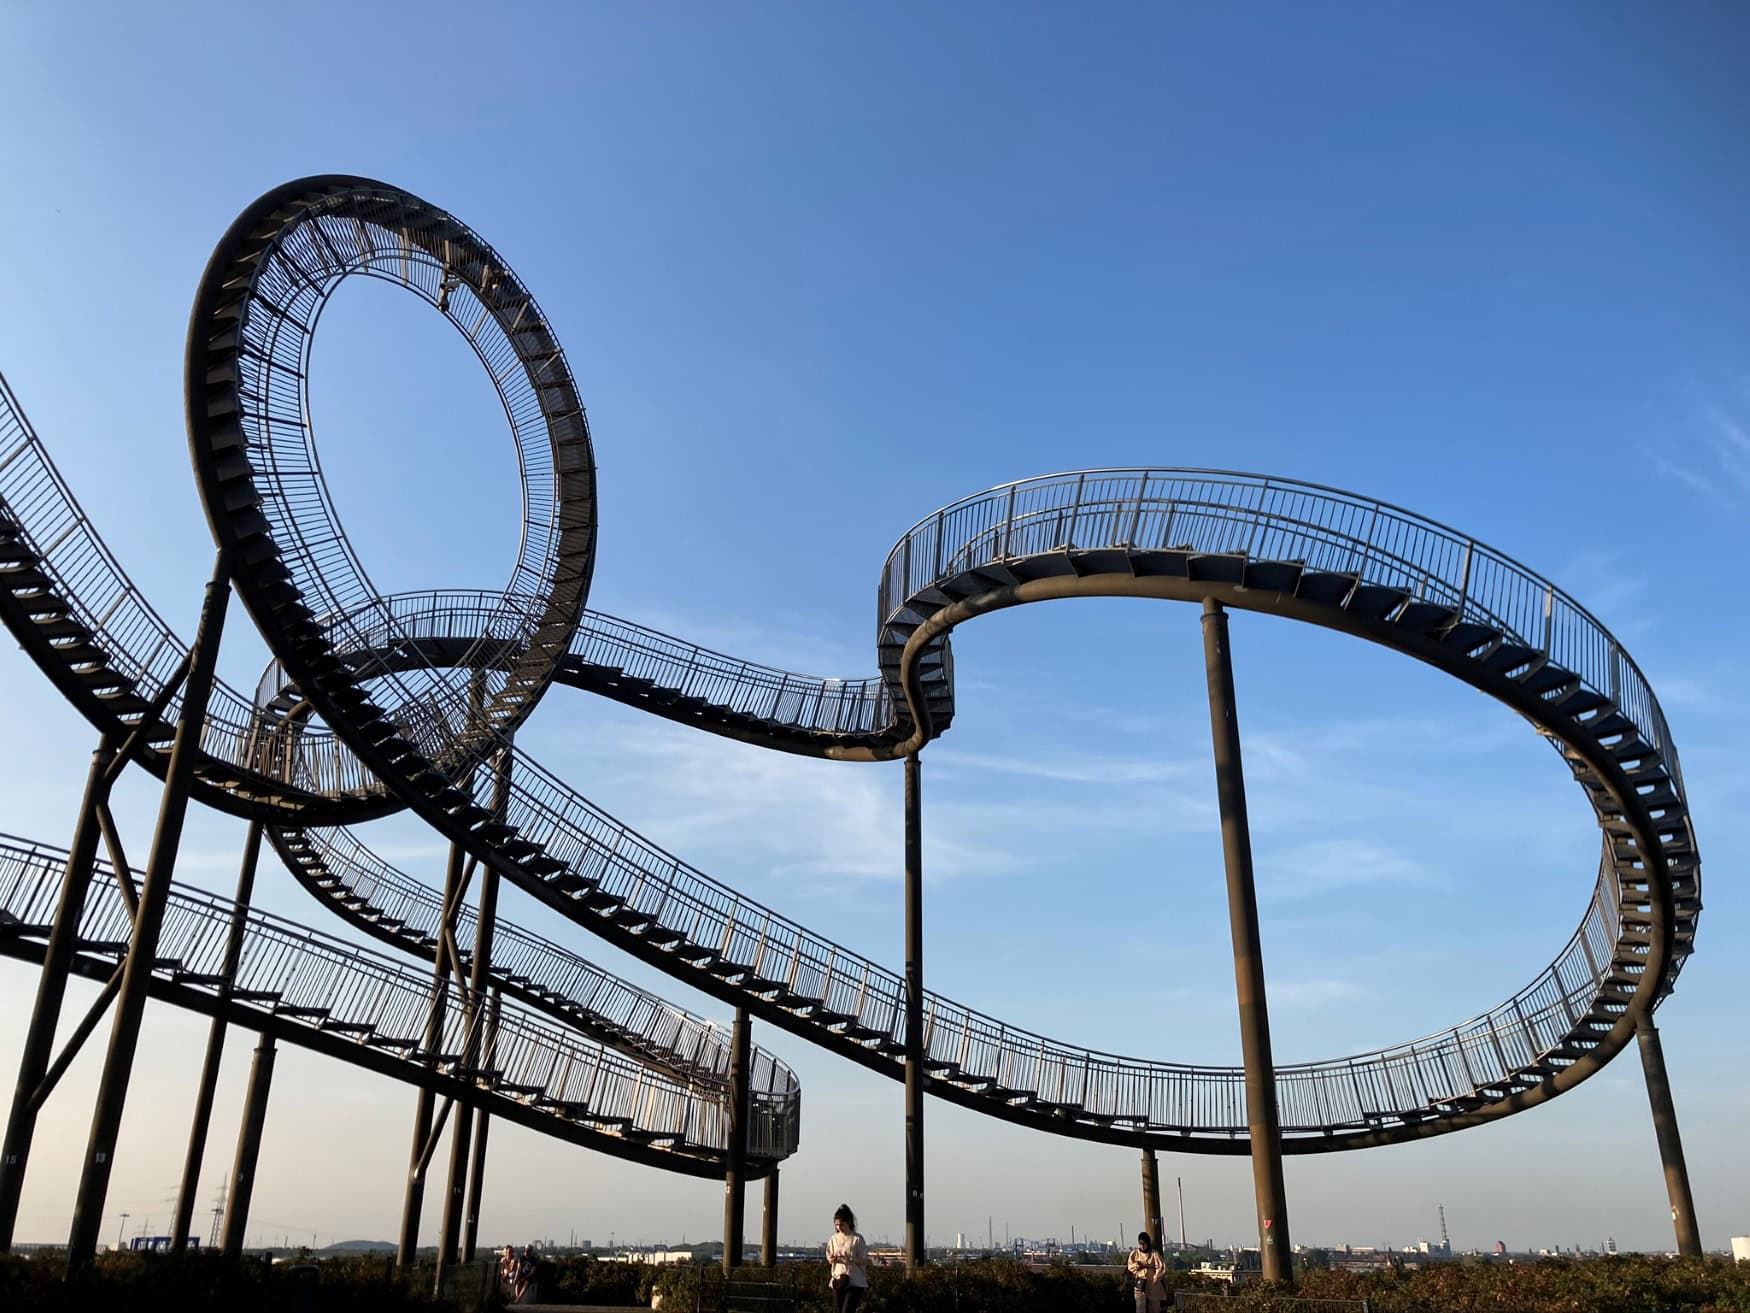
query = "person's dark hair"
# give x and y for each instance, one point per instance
(844, 1212)
(1143, 1241)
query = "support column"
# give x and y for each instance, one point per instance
(248, 1148)
(487, 1024)
(203, 1099)
(414, 1203)
(1151, 1198)
(482, 1121)
(51, 992)
(915, 1252)
(1670, 1142)
(130, 1004)
(474, 1022)
(769, 1223)
(735, 1173)
(1262, 1124)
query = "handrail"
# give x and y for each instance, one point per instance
(139, 645)
(356, 986)
(1490, 588)
(682, 1040)
(256, 313)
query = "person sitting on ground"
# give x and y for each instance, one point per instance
(1147, 1269)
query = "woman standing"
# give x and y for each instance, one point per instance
(1146, 1269)
(848, 1258)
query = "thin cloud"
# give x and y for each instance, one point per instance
(1308, 995)
(1683, 474)
(1073, 770)
(1725, 438)
(1325, 866)
(791, 818)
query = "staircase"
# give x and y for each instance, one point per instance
(376, 897)
(370, 1009)
(1294, 549)
(89, 629)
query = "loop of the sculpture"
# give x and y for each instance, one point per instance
(255, 455)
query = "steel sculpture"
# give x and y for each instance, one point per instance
(423, 693)
(87, 626)
(369, 1008)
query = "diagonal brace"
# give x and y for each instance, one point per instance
(76, 1041)
(112, 840)
(154, 713)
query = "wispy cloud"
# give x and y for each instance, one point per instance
(1324, 866)
(1307, 995)
(1693, 479)
(1730, 442)
(1715, 461)
(789, 817)
(1073, 769)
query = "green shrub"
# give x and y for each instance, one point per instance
(196, 1283)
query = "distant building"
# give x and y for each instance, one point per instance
(1228, 1272)
(1741, 1248)
(1500, 1248)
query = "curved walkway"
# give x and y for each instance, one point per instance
(369, 1009)
(1264, 544)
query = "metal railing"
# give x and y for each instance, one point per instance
(838, 995)
(653, 1028)
(370, 997)
(1125, 510)
(36, 504)
(1212, 512)
(363, 229)
(471, 626)
(851, 708)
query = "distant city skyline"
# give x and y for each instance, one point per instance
(819, 274)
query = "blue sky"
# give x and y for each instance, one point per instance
(820, 271)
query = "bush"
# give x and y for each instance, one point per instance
(196, 1283)
(580, 1279)
(997, 1285)
(1623, 1284)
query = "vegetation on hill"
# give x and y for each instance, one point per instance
(204, 1283)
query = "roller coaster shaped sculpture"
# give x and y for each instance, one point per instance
(376, 703)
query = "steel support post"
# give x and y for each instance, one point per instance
(1151, 1198)
(769, 1223)
(735, 1171)
(51, 992)
(203, 1099)
(482, 1122)
(916, 1254)
(130, 1004)
(248, 1148)
(1262, 1124)
(414, 1203)
(1670, 1142)
(475, 1021)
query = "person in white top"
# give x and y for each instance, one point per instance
(1146, 1270)
(848, 1257)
